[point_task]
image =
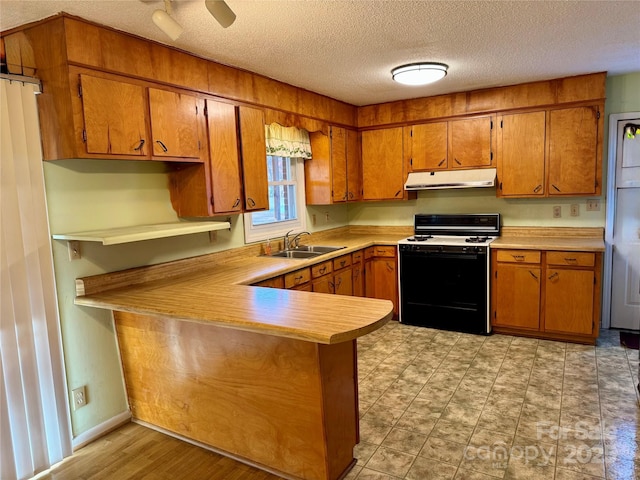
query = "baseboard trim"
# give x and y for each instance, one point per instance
(100, 430)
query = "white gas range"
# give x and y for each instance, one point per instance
(444, 272)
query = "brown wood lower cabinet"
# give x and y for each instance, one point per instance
(546, 294)
(281, 404)
(381, 273)
(372, 272)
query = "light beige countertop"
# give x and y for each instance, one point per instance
(567, 239)
(215, 289)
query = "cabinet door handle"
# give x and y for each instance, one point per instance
(342, 263)
(553, 275)
(140, 145)
(555, 187)
(442, 162)
(518, 258)
(163, 146)
(351, 195)
(389, 267)
(322, 270)
(570, 259)
(236, 203)
(397, 193)
(533, 274)
(537, 189)
(457, 161)
(298, 279)
(251, 202)
(338, 283)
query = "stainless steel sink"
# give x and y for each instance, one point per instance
(316, 248)
(305, 251)
(295, 254)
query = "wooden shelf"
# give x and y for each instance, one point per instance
(137, 233)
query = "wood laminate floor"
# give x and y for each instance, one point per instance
(137, 452)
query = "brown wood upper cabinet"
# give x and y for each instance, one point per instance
(254, 158)
(463, 143)
(115, 121)
(521, 154)
(384, 169)
(174, 121)
(334, 173)
(469, 142)
(428, 146)
(575, 151)
(550, 153)
(234, 180)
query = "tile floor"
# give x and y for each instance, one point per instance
(444, 405)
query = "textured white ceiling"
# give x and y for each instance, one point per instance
(346, 49)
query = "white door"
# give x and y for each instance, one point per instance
(625, 239)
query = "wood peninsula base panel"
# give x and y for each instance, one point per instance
(283, 404)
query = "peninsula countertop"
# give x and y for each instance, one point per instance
(216, 289)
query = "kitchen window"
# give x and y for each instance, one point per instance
(286, 201)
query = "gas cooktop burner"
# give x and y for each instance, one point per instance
(476, 239)
(420, 238)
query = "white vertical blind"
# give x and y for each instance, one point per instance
(34, 414)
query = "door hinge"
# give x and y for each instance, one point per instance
(411, 133)
(495, 314)
(411, 162)
(330, 132)
(491, 157)
(199, 145)
(500, 185)
(84, 136)
(206, 110)
(80, 90)
(501, 124)
(496, 274)
(598, 114)
(491, 125)
(196, 110)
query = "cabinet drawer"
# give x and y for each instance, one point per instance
(576, 259)
(518, 256)
(342, 262)
(297, 278)
(380, 251)
(321, 269)
(357, 257)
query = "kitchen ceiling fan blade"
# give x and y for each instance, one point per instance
(221, 12)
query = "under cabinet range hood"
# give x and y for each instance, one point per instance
(481, 177)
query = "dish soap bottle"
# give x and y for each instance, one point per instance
(267, 248)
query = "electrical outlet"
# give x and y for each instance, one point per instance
(326, 217)
(313, 219)
(74, 250)
(79, 396)
(593, 204)
(557, 211)
(575, 210)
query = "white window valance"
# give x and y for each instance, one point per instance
(287, 141)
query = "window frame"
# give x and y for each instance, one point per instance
(259, 233)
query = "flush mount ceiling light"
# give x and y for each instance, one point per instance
(419, 73)
(217, 8)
